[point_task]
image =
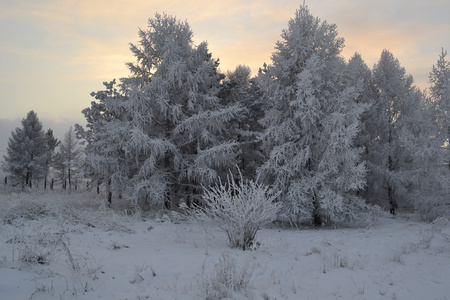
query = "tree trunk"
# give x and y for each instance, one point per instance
(169, 203)
(109, 192)
(27, 178)
(391, 199)
(317, 220)
(392, 202)
(69, 178)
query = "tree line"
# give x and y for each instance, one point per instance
(333, 137)
(35, 155)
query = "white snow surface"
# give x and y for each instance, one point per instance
(94, 252)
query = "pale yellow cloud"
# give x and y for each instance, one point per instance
(95, 34)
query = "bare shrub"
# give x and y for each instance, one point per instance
(239, 209)
(35, 247)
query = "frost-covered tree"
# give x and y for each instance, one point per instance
(429, 176)
(394, 135)
(103, 140)
(27, 152)
(167, 123)
(439, 79)
(432, 121)
(240, 88)
(312, 125)
(68, 160)
(181, 124)
(51, 143)
(360, 74)
(240, 76)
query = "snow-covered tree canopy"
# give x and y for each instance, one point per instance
(167, 128)
(440, 96)
(312, 124)
(28, 152)
(68, 158)
(323, 131)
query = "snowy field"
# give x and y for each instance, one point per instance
(60, 246)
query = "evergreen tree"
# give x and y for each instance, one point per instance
(439, 79)
(174, 84)
(27, 153)
(69, 158)
(431, 127)
(168, 124)
(312, 124)
(359, 74)
(392, 121)
(428, 173)
(240, 88)
(51, 143)
(102, 140)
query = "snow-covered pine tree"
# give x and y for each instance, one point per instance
(174, 106)
(439, 79)
(429, 175)
(27, 152)
(68, 161)
(103, 139)
(391, 123)
(240, 88)
(311, 127)
(167, 133)
(431, 132)
(359, 73)
(51, 143)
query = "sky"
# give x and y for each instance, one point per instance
(54, 53)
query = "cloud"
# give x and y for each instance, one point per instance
(76, 45)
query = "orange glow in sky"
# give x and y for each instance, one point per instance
(55, 52)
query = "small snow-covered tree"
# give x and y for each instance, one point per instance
(69, 158)
(311, 127)
(51, 143)
(239, 208)
(27, 152)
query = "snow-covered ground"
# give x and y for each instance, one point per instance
(78, 249)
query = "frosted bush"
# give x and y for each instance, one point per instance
(38, 249)
(239, 209)
(432, 208)
(34, 247)
(225, 279)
